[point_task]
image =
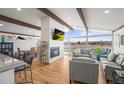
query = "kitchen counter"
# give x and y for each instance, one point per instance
(7, 65)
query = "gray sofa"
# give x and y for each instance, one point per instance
(81, 63)
(83, 52)
(110, 66)
(83, 69)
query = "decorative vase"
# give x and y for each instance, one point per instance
(98, 57)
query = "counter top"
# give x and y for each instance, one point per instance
(7, 63)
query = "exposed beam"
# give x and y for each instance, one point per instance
(82, 17)
(79, 10)
(118, 28)
(52, 15)
(18, 22)
(18, 33)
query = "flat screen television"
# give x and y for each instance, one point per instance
(58, 35)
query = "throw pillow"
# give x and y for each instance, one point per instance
(120, 59)
(115, 58)
(122, 63)
(85, 51)
(77, 51)
(111, 56)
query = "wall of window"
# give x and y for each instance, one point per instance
(77, 38)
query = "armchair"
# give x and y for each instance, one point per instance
(84, 70)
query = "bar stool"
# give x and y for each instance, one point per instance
(25, 68)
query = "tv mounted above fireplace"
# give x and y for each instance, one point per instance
(58, 35)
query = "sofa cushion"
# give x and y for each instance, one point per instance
(122, 63)
(81, 55)
(112, 63)
(85, 55)
(77, 51)
(76, 55)
(83, 59)
(85, 51)
(115, 58)
(120, 59)
(111, 56)
(109, 64)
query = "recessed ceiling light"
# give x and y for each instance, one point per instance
(19, 9)
(1, 24)
(69, 18)
(106, 11)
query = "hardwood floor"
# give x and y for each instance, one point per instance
(54, 73)
(101, 79)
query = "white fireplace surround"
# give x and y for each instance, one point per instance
(48, 25)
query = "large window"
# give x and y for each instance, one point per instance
(74, 39)
(100, 38)
(96, 36)
(77, 38)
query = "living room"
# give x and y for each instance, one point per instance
(67, 45)
(88, 59)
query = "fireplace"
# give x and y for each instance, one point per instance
(54, 51)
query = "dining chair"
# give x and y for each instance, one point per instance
(28, 59)
(16, 55)
(33, 51)
(21, 54)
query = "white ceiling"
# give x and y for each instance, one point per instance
(8, 27)
(29, 15)
(96, 19)
(69, 15)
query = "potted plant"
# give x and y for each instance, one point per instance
(2, 38)
(98, 52)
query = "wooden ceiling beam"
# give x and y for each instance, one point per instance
(79, 10)
(18, 22)
(17, 33)
(52, 15)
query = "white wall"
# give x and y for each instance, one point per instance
(55, 43)
(45, 31)
(48, 25)
(117, 48)
(23, 44)
(9, 27)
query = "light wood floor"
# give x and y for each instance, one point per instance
(54, 73)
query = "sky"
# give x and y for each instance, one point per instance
(78, 33)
